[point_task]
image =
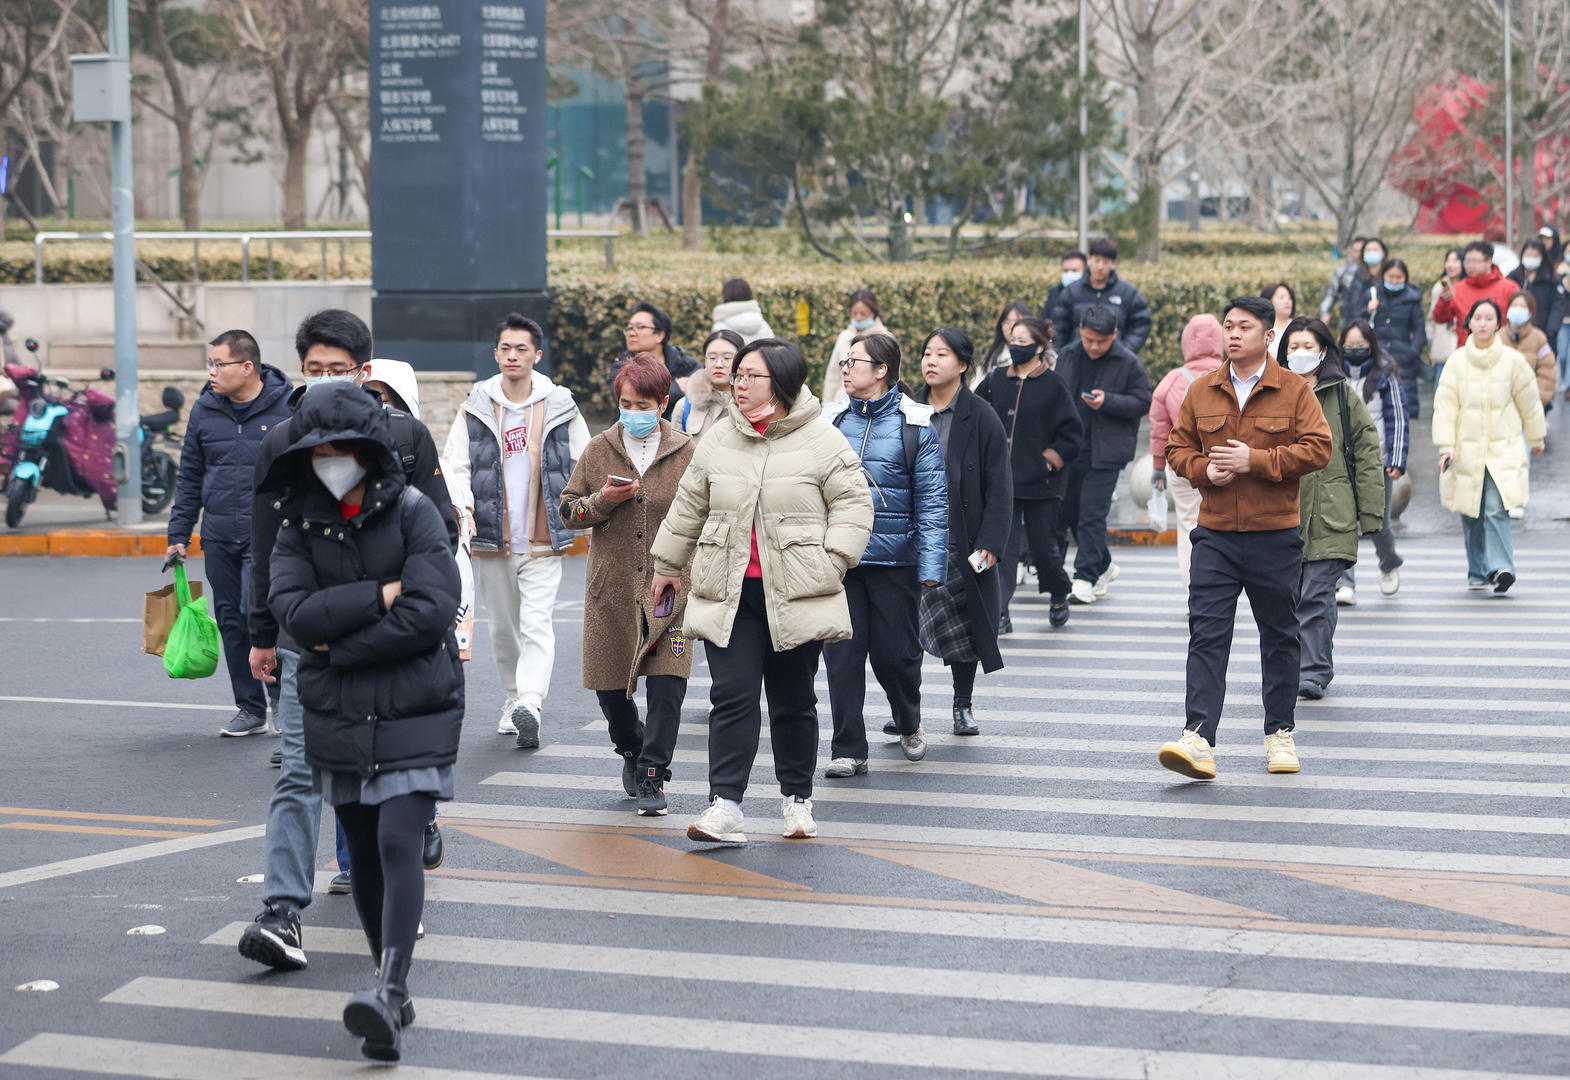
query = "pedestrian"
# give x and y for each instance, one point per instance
(1397, 317)
(772, 512)
(1101, 287)
(508, 457)
(223, 434)
(1483, 281)
(1043, 435)
(893, 437)
(1246, 434)
(1442, 339)
(1376, 380)
(997, 352)
(1336, 504)
(1562, 313)
(1486, 402)
(866, 317)
(364, 580)
(333, 346)
(959, 621)
(1350, 268)
(1549, 235)
(394, 382)
(1111, 393)
(620, 491)
(709, 388)
(1522, 334)
(1362, 291)
(1201, 346)
(1501, 254)
(1284, 300)
(649, 330)
(1071, 269)
(738, 312)
(1536, 276)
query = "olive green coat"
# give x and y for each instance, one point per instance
(1330, 518)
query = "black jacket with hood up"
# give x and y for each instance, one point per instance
(387, 693)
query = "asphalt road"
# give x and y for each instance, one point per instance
(1043, 900)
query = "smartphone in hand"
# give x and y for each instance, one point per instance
(620, 481)
(665, 604)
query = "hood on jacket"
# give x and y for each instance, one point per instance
(398, 377)
(743, 316)
(805, 410)
(539, 388)
(275, 385)
(337, 413)
(1201, 341)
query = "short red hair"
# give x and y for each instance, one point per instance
(643, 376)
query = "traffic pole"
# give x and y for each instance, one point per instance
(127, 398)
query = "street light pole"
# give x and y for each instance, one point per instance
(1509, 136)
(127, 406)
(1082, 202)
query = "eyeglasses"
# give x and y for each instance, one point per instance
(845, 364)
(634, 328)
(744, 378)
(214, 365)
(314, 370)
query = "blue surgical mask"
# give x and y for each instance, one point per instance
(1071, 276)
(1374, 257)
(1518, 316)
(863, 325)
(320, 380)
(639, 424)
(1395, 286)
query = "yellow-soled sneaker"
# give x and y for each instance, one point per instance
(1190, 755)
(1280, 752)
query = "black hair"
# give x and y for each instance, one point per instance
(1270, 294)
(957, 340)
(1257, 306)
(1358, 240)
(514, 321)
(735, 289)
(1040, 332)
(1536, 242)
(337, 328)
(1322, 335)
(1015, 306)
(864, 296)
(1498, 315)
(722, 335)
(1104, 246)
(1101, 319)
(241, 346)
(1482, 247)
(1084, 260)
(787, 367)
(883, 349)
(1396, 264)
(662, 321)
(1380, 362)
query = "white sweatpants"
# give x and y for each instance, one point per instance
(1186, 497)
(518, 594)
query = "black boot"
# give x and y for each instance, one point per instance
(377, 1016)
(1005, 624)
(965, 721)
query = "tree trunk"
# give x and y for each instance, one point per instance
(190, 179)
(692, 196)
(899, 234)
(296, 143)
(1147, 160)
(637, 176)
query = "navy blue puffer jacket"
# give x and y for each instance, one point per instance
(910, 508)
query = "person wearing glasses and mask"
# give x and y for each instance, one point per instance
(223, 438)
(772, 512)
(648, 330)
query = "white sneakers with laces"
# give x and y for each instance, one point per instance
(721, 823)
(506, 727)
(799, 824)
(1082, 592)
(1280, 753)
(1107, 578)
(1390, 584)
(1190, 755)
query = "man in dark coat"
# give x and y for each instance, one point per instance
(223, 435)
(649, 330)
(1112, 394)
(1101, 287)
(1072, 269)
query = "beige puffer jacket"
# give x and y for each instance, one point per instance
(800, 486)
(1486, 401)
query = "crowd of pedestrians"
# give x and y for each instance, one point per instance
(868, 527)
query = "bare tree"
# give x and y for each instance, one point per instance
(714, 17)
(1540, 38)
(30, 31)
(300, 46)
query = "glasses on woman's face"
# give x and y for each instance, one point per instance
(744, 378)
(849, 361)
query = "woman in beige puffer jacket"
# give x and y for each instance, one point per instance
(771, 513)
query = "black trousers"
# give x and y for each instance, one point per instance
(1041, 529)
(739, 671)
(651, 742)
(1266, 565)
(883, 611)
(388, 882)
(1092, 487)
(228, 569)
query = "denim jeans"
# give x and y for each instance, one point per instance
(294, 815)
(1489, 545)
(1563, 353)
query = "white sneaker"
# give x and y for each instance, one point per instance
(1106, 579)
(914, 746)
(1280, 753)
(1082, 592)
(841, 767)
(1517, 513)
(1346, 596)
(1390, 584)
(798, 819)
(506, 727)
(719, 824)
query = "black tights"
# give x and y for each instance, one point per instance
(964, 672)
(388, 880)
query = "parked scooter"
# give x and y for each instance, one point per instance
(64, 441)
(158, 467)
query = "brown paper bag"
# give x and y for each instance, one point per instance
(158, 614)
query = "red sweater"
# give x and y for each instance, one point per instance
(1491, 286)
(754, 567)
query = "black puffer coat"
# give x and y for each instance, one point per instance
(388, 691)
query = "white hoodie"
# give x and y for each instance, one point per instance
(743, 317)
(517, 471)
(398, 377)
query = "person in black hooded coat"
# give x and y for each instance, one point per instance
(365, 581)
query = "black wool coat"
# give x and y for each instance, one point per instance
(387, 692)
(981, 504)
(1035, 413)
(1112, 431)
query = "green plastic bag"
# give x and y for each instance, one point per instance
(193, 647)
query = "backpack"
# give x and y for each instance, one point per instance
(402, 425)
(912, 439)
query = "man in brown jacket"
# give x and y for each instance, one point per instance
(1246, 433)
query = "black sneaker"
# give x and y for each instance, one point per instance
(629, 773)
(431, 853)
(1502, 580)
(1310, 691)
(339, 885)
(273, 939)
(276, 760)
(527, 721)
(651, 794)
(891, 729)
(1057, 614)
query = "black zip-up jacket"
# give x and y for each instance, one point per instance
(1125, 300)
(1112, 431)
(1036, 414)
(280, 498)
(387, 692)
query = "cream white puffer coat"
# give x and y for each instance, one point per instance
(800, 487)
(1486, 400)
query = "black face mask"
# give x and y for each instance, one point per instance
(1022, 354)
(1357, 357)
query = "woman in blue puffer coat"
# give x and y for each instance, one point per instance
(903, 459)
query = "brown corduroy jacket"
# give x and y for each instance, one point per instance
(1284, 428)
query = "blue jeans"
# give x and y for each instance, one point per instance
(1562, 351)
(295, 813)
(1489, 546)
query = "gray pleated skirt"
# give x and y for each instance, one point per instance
(339, 788)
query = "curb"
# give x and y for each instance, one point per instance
(1142, 537)
(111, 543)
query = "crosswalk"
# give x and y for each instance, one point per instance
(1040, 900)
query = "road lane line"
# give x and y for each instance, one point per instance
(911, 1050)
(84, 815)
(92, 830)
(116, 704)
(1251, 659)
(121, 856)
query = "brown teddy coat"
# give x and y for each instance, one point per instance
(621, 637)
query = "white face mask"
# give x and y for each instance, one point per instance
(338, 475)
(1304, 363)
(320, 380)
(1071, 276)
(1531, 262)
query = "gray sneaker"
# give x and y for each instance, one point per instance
(527, 721)
(244, 724)
(914, 746)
